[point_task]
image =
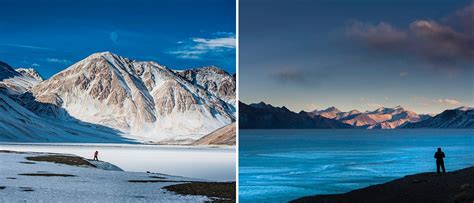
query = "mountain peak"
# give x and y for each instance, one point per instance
(106, 55)
(30, 72)
(399, 107)
(260, 105)
(465, 108)
(332, 109)
(354, 111)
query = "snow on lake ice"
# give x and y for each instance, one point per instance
(79, 184)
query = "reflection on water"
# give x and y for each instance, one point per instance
(216, 164)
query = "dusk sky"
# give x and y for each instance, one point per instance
(308, 55)
(50, 35)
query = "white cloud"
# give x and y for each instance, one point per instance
(449, 102)
(56, 60)
(35, 65)
(224, 42)
(195, 48)
(188, 54)
(25, 46)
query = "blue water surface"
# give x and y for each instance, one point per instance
(281, 165)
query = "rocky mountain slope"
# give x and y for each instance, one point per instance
(220, 83)
(265, 116)
(144, 100)
(462, 117)
(222, 136)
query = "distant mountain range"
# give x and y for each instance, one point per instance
(381, 118)
(141, 101)
(266, 116)
(462, 117)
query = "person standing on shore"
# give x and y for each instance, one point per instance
(96, 156)
(439, 155)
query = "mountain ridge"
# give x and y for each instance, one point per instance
(266, 116)
(381, 118)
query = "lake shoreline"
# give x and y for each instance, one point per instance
(120, 144)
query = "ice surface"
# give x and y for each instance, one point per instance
(216, 164)
(88, 184)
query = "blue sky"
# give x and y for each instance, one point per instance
(363, 54)
(50, 35)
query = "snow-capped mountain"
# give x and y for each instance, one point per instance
(465, 108)
(462, 117)
(333, 113)
(381, 118)
(30, 72)
(18, 81)
(143, 100)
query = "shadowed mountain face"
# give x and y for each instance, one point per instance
(457, 186)
(462, 117)
(18, 124)
(6, 71)
(265, 116)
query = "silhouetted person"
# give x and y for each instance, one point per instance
(439, 155)
(96, 156)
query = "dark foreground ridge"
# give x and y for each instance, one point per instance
(457, 186)
(217, 191)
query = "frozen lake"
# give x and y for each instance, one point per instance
(215, 164)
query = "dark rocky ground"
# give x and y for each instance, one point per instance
(456, 186)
